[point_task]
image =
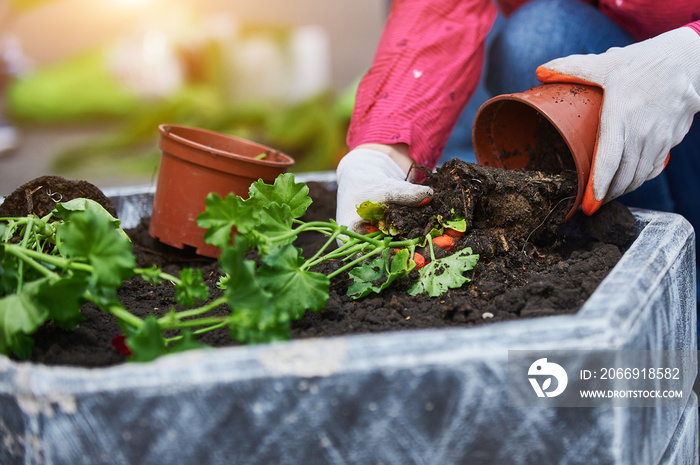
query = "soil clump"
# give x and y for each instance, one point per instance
(40, 195)
(502, 208)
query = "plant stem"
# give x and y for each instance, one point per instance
(346, 249)
(50, 259)
(123, 314)
(28, 229)
(313, 226)
(405, 243)
(210, 328)
(171, 278)
(357, 245)
(354, 245)
(166, 321)
(341, 252)
(328, 228)
(368, 238)
(166, 276)
(376, 251)
(430, 245)
(198, 332)
(320, 251)
(214, 320)
(19, 253)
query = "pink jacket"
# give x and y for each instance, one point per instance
(429, 61)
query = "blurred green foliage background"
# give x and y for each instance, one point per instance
(87, 89)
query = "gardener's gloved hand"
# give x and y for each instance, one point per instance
(650, 97)
(368, 174)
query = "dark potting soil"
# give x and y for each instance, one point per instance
(551, 153)
(549, 270)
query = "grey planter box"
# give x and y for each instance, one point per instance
(419, 397)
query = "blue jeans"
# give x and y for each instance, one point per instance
(546, 29)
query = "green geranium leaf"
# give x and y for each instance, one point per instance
(446, 273)
(222, 283)
(436, 231)
(243, 292)
(147, 342)
(295, 290)
(91, 237)
(20, 315)
(9, 272)
(62, 298)
(380, 273)
(191, 287)
(222, 215)
(63, 211)
(364, 277)
(245, 329)
(275, 219)
(371, 211)
(458, 224)
(401, 265)
(151, 275)
(284, 191)
(81, 205)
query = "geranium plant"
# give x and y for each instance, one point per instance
(78, 253)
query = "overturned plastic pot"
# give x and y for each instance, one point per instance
(551, 128)
(425, 397)
(195, 162)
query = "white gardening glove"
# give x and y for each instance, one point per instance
(651, 93)
(365, 174)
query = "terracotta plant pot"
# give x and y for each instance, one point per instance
(196, 162)
(551, 128)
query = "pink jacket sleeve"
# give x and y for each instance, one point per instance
(695, 26)
(427, 66)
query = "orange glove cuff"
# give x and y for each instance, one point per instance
(547, 75)
(590, 205)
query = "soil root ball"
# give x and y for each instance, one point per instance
(528, 204)
(40, 196)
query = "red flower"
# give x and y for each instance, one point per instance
(119, 343)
